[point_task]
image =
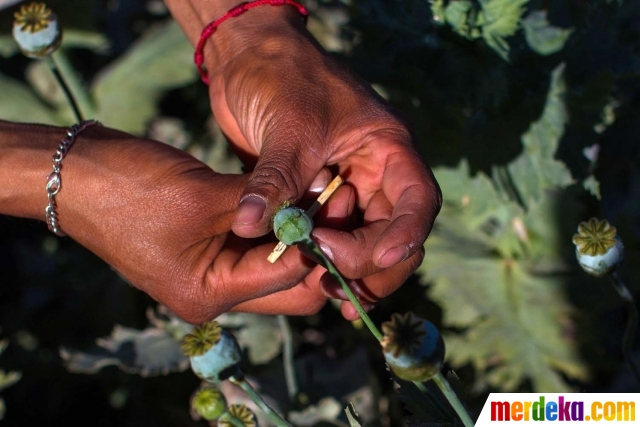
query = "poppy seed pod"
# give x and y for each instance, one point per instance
(214, 353)
(598, 248)
(412, 347)
(209, 403)
(36, 30)
(242, 414)
(292, 225)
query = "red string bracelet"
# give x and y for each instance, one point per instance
(232, 13)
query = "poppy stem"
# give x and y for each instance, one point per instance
(632, 322)
(65, 88)
(275, 418)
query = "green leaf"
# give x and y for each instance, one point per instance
(495, 20)
(546, 237)
(481, 209)
(498, 272)
(258, 334)
(325, 412)
(477, 198)
(7, 379)
(44, 84)
(592, 185)
(541, 36)
(514, 323)
(438, 11)
(352, 416)
(461, 16)
(536, 169)
(82, 39)
(127, 92)
(152, 351)
(24, 105)
(499, 19)
(163, 318)
(8, 46)
(501, 16)
(497, 269)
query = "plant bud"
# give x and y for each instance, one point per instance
(292, 225)
(214, 353)
(598, 248)
(209, 403)
(36, 30)
(412, 347)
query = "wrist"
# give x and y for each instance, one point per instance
(264, 25)
(25, 163)
(266, 29)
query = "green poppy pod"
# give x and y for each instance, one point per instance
(412, 347)
(292, 225)
(36, 30)
(209, 403)
(214, 353)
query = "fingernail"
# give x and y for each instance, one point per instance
(250, 210)
(366, 307)
(331, 289)
(326, 250)
(319, 183)
(393, 256)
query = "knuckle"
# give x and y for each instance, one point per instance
(387, 124)
(392, 133)
(277, 179)
(357, 268)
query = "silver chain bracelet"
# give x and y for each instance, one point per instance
(53, 180)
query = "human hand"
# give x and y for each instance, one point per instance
(157, 215)
(289, 110)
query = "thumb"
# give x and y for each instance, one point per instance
(284, 172)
